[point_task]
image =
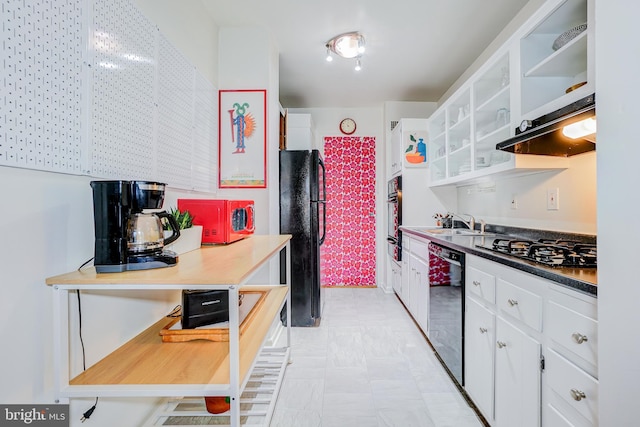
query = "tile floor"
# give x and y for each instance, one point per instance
(367, 365)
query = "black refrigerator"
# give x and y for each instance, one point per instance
(303, 215)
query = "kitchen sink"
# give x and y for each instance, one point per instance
(452, 232)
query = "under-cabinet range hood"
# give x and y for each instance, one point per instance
(547, 135)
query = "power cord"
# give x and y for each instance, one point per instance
(176, 312)
(88, 413)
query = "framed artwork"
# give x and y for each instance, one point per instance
(242, 138)
(414, 149)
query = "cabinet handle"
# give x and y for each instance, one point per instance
(483, 330)
(501, 344)
(512, 302)
(476, 283)
(577, 395)
(579, 338)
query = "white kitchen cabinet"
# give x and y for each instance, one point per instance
(541, 366)
(413, 285)
(571, 386)
(406, 270)
(524, 79)
(396, 277)
(300, 132)
(395, 161)
(405, 139)
(419, 301)
(517, 379)
(548, 70)
(414, 290)
(480, 344)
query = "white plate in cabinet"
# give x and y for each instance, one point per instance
(573, 331)
(573, 385)
(481, 284)
(520, 304)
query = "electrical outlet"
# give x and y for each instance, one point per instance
(553, 199)
(514, 202)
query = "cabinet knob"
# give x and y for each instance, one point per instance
(512, 302)
(577, 395)
(476, 283)
(483, 330)
(501, 344)
(579, 338)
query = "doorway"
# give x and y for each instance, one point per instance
(348, 256)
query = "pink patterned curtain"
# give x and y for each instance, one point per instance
(348, 256)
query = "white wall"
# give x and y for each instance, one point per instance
(46, 222)
(491, 200)
(617, 70)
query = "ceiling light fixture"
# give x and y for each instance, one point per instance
(347, 45)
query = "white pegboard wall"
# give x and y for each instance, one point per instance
(122, 49)
(205, 144)
(91, 87)
(42, 93)
(175, 116)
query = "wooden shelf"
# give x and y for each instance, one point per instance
(229, 264)
(145, 359)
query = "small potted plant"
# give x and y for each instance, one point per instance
(190, 235)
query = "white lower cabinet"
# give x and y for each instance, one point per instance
(420, 291)
(404, 289)
(530, 348)
(414, 282)
(396, 277)
(480, 347)
(571, 384)
(517, 379)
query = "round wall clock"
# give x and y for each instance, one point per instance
(348, 126)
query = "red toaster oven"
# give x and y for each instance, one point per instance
(222, 221)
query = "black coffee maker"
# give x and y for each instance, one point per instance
(126, 237)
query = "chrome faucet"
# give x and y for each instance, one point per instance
(471, 224)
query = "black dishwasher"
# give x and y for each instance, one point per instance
(446, 307)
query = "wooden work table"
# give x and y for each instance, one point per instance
(147, 366)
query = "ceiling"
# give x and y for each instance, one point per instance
(416, 49)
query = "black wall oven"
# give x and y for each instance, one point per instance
(394, 218)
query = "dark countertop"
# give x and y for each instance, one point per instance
(581, 279)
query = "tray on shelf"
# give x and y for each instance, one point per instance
(251, 301)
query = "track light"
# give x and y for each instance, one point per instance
(329, 58)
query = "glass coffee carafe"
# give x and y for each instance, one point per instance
(145, 234)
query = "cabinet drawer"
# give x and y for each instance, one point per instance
(574, 331)
(420, 249)
(573, 385)
(520, 303)
(481, 284)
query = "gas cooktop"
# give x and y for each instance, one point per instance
(553, 253)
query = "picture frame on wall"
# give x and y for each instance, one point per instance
(414, 149)
(242, 138)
